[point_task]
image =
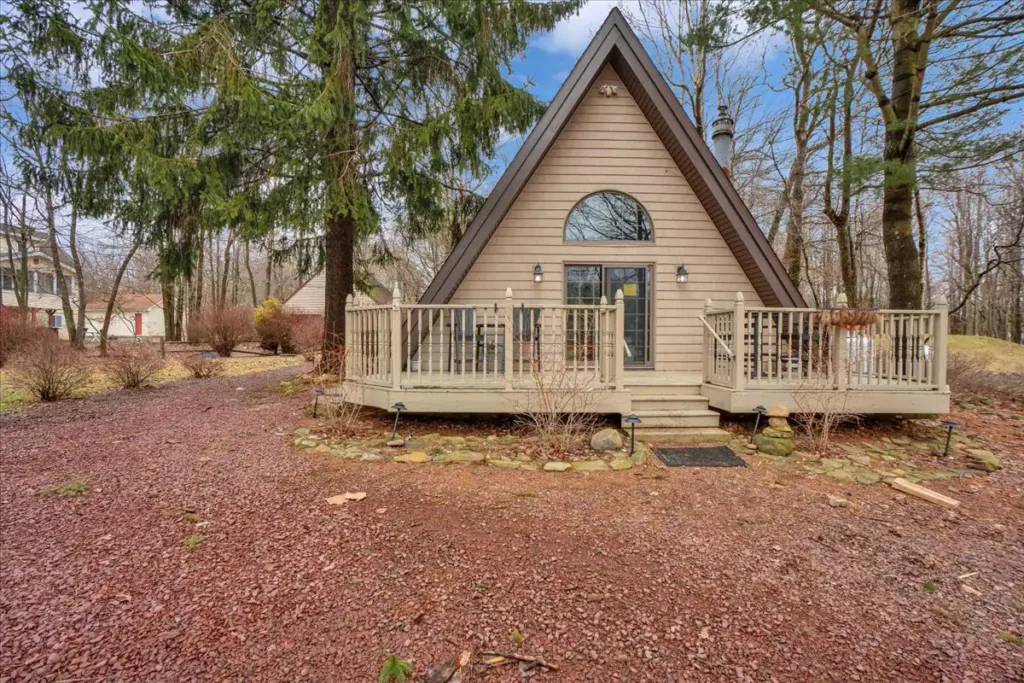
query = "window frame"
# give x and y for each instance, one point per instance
(565, 223)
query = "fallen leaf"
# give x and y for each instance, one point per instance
(465, 658)
(494, 660)
(346, 497)
(381, 511)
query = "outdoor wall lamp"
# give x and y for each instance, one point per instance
(681, 275)
(538, 273)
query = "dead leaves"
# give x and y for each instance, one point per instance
(454, 670)
(346, 497)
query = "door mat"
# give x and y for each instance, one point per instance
(699, 456)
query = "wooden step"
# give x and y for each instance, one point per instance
(645, 390)
(692, 436)
(660, 419)
(670, 402)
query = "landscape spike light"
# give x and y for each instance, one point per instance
(632, 420)
(760, 410)
(398, 408)
(317, 393)
(951, 425)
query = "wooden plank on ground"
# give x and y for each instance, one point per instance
(927, 494)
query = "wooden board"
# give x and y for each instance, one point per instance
(926, 494)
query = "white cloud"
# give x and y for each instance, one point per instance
(572, 34)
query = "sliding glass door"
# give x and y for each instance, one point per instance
(584, 284)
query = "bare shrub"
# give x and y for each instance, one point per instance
(203, 367)
(131, 364)
(15, 334)
(307, 335)
(50, 369)
(222, 327)
(965, 370)
(968, 374)
(821, 409)
(559, 403)
(342, 395)
(274, 326)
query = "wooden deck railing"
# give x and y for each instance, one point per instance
(793, 348)
(499, 344)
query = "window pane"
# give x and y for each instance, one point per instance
(582, 285)
(608, 216)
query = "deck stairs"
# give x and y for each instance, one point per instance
(671, 409)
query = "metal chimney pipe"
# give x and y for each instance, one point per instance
(722, 130)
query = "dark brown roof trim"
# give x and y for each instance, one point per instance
(615, 43)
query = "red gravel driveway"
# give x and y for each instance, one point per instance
(728, 575)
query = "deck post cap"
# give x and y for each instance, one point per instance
(619, 296)
(739, 296)
(941, 301)
(604, 300)
(841, 301)
(349, 299)
(508, 292)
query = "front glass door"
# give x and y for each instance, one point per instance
(586, 283)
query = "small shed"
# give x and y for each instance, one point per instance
(134, 315)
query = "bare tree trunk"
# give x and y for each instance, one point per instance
(112, 299)
(222, 296)
(76, 263)
(252, 280)
(58, 268)
(235, 277)
(19, 272)
(197, 293)
(340, 232)
(840, 218)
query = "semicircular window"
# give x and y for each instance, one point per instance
(608, 217)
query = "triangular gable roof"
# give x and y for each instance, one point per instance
(129, 302)
(616, 44)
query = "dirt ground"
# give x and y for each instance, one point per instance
(203, 549)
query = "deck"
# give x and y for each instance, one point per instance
(515, 357)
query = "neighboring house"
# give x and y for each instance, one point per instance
(134, 315)
(614, 260)
(310, 296)
(44, 300)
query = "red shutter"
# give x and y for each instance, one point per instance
(138, 324)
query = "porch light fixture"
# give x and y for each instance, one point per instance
(951, 425)
(398, 408)
(632, 420)
(760, 410)
(538, 273)
(681, 275)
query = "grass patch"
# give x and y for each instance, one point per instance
(69, 489)
(13, 397)
(1000, 355)
(190, 517)
(929, 586)
(1013, 639)
(194, 541)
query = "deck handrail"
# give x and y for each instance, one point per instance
(797, 348)
(501, 343)
(725, 347)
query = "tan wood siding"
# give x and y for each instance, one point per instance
(608, 144)
(311, 297)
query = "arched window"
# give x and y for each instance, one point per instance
(608, 217)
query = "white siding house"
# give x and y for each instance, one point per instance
(134, 315)
(44, 301)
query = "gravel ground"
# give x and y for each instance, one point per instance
(700, 575)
